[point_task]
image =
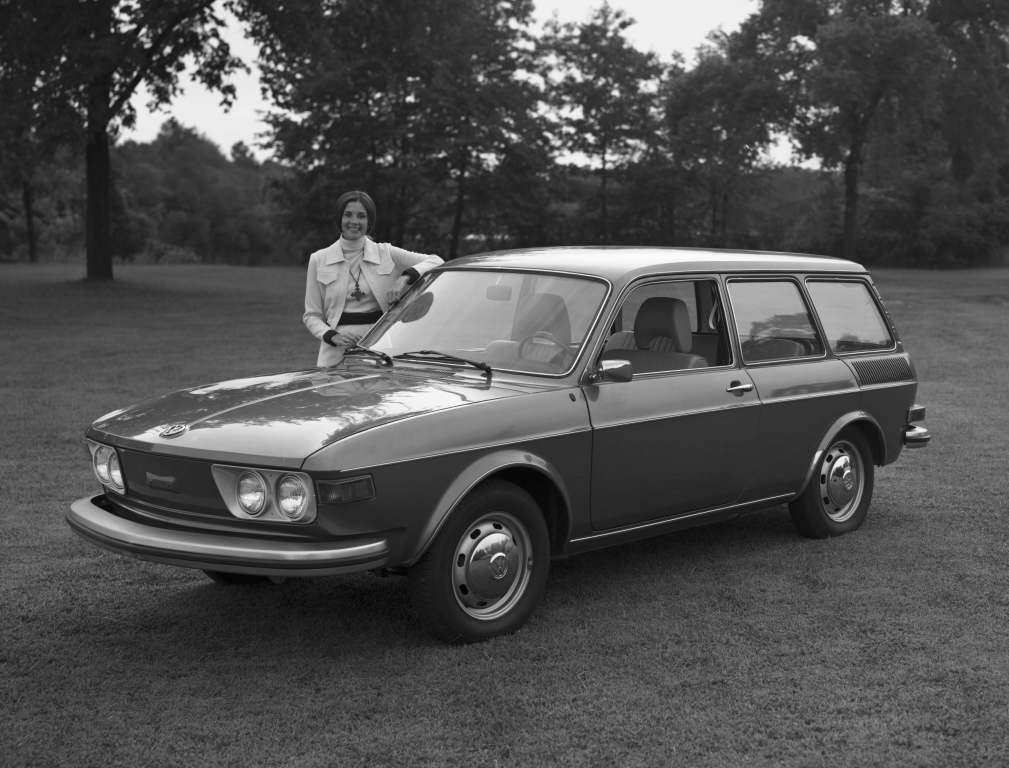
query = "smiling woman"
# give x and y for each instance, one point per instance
(351, 283)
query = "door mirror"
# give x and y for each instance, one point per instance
(612, 370)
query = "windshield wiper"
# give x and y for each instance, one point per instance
(354, 348)
(450, 358)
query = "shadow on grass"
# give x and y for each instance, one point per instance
(362, 615)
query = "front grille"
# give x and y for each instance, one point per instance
(883, 370)
(171, 482)
(173, 518)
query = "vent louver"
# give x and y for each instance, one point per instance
(883, 370)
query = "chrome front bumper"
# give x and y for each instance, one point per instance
(217, 552)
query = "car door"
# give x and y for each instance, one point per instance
(674, 439)
(802, 390)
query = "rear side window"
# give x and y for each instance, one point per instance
(773, 321)
(849, 316)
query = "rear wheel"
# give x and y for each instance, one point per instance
(486, 569)
(838, 495)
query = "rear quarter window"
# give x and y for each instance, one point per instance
(850, 317)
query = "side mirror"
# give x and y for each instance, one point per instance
(612, 370)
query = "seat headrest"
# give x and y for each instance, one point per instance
(543, 312)
(663, 316)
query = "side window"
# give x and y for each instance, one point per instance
(772, 321)
(849, 316)
(661, 327)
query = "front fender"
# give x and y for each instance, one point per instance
(470, 477)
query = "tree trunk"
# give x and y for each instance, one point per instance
(604, 211)
(723, 225)
(98, 234)
(460, 205)
(27, 198)
(713, 202)
(98, 172)
(671, 225)
(850, 233)
(852, 168)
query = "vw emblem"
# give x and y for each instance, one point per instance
(173, 430)
(499, 566)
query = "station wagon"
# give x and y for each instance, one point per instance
(517, 407)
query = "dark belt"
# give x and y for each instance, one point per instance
(360, 318)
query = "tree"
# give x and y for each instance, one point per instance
(842, 62)
(32, 127)
(179, 198)
(975, 81)
(98, 53)
(603, 90)
(413, 101)
(720, 117)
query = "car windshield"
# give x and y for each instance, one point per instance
(513, 321)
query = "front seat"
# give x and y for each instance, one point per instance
(543, 329)
(541, 335)
(661, 337)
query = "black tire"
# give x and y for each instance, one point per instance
(486, 569)
(223, 577)
(838, 495)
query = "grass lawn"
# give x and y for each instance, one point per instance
(739, 644)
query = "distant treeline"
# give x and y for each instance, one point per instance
(474, 131)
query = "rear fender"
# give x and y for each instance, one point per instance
(864, 421)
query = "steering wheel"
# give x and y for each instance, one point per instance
(543, 347)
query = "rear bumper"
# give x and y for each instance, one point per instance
(217, 552)
(916, 436)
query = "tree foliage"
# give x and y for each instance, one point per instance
(720, 117)
(473, 130)
(414, 101)
(603, 91)
(93, 56)
(181, 199)
(845, 63)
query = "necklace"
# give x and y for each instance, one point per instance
(354, 254)
(357, 293)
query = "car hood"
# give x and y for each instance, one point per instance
(280, 420)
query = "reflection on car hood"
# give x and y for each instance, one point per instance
(283, 418)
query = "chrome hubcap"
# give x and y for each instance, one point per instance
(840, 482)
(492, 566)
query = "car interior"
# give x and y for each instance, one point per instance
(676, 326)
(541, 336)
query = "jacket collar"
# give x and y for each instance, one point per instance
(334, 253)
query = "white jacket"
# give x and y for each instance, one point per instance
(328, 282)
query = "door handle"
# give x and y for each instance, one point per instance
(739, 387)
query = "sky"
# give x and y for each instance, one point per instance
(663, 26)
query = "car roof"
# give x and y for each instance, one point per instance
(621, 262)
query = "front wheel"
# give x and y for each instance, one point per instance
(838, 495)
(486, 569)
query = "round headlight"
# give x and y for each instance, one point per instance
(115, 472)
(292, 496)
(100, 460)
(251, 493)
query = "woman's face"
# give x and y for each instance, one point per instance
(354, 224)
